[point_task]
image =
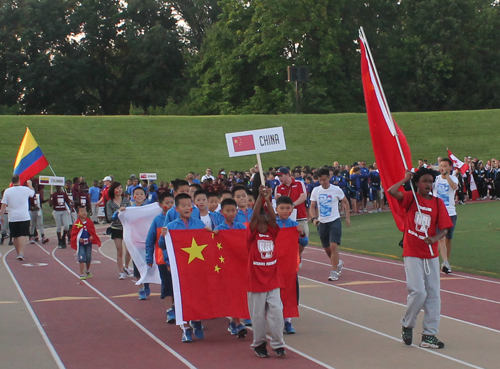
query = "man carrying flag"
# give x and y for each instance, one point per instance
(464, 167)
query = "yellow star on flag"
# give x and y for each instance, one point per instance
(219, 245)
(222, 259)
(217, 268)
(79, 225)
(195, 251)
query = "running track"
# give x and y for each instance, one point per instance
(351, 323)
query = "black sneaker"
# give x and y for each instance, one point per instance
(429, 341)
(63, 243)
(280, 351)
(261, 350)
(407, 335)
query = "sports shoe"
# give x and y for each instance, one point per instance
(407, 335)
(89, 275)
(261, 350)
(63, 243)
(288, 328)
(10, 242)
(122, 276)
(198, 329)
(147, 289)
(248, 322)
(280, 351)
(379, 210)
(171, 315)
(445, 267)
(340, 266)
(241, 331)
(187, 335)
(20, 257)
(429, 341)
(333, 276)
(44, 240)
(83, 277)
(232, 329)
(2, 239)
(32, 240)
(142, 294)
(128, 271)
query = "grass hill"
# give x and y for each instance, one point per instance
(173, 145)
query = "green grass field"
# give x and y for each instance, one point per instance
(172, 146)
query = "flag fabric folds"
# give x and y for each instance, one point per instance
(209, 273)
(30, 160)
(136, 221)
(383, 130)
(464, 167)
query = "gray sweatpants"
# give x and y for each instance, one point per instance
(36, 222)
(423, 293)
(62, 219)
(262, 305)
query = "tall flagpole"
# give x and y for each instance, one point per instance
(388, 115)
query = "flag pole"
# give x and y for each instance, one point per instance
(52, 170)
(388, 115)
(261, 173)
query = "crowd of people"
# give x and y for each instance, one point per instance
(234, 200)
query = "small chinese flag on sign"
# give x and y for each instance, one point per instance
(243, 143)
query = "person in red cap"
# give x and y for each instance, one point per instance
(296, 190)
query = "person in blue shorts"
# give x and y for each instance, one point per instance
(375, 188)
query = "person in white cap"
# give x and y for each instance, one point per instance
(105, 197)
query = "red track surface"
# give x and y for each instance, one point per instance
(91, 331)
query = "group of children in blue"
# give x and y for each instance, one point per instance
(182, 211)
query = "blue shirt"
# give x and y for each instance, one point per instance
(375, 180)
(158, 222)
(131, 189)
(356, 181)
(179, 224)
(234, 225)
(365, 173)
(95, 194)
(152, 197)
(172, 214)
(242, 216)
(289, 223)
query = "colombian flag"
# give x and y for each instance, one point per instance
(30, 160)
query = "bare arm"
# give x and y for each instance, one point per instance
(436, 238)
(271, 213)
(301, 199)
(347, 211)
(452, 184)
(2, 211)
(313, 210)
(394, 189)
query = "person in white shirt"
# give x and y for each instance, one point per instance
(16, 201)
(325, 200)
(208, 175)
(444, 188)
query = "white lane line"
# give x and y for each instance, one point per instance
(124, 313)
(402, 281)
(430, 351)
(402, 265)
(397, 303)
(51, 348)
(43, 249)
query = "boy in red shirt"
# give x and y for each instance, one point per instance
(83, 235)
(422, 231)
(264, 281)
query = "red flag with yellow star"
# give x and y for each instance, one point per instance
(211, 274)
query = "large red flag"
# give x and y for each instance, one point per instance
(209, 273)
(383, 131)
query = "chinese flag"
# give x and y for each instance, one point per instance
(212, 273)
(287, 247)
(243, 143)
(385, 146)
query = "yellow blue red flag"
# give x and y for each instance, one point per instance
(30, 160)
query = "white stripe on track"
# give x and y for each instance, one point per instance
(430, 351)
(397, 303)
(400, 264)
(132, 320)
(51, 348)
(402, 281)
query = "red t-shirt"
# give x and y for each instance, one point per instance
(59, 200)
(434, 216)
(104, 194)
(295, 189)
(263, 273)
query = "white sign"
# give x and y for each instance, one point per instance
(147, 176)
(51, 181)
(255, 142)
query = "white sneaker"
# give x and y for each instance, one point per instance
(445, 267)
(340, 267)
(128, 271)
(333, 276)
(122, 276)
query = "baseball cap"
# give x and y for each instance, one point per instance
(107, 178)
(283, 170)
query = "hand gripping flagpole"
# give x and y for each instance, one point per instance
(388, 117)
